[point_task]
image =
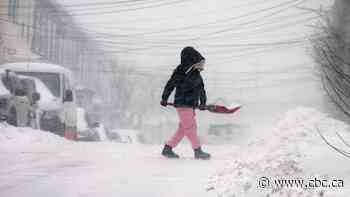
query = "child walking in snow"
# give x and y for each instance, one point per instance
(189, 94)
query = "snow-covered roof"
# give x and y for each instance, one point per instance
(36, 67)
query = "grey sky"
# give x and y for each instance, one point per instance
(235, 72)
(251, 22)
(228, 34)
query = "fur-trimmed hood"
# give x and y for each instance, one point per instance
(189, 57)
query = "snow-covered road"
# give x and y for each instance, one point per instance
(39, 164)
(105, 169)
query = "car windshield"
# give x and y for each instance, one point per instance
(51, 80)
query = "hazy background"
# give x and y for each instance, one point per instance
(258, 53)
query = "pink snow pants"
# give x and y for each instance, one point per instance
(187, 127)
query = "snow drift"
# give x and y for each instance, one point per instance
(285, 151)
(13, 136)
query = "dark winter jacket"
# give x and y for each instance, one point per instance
(187, 81)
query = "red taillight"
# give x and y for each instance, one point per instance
(70, 135)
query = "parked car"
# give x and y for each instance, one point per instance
(15, 104)
(124, 136)
(59, 81)
(88, 128)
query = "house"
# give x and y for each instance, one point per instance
(16, 31)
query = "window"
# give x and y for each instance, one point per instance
(12, 9)
(67, 83)
(51, 80)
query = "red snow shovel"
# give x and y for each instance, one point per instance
(218, 109)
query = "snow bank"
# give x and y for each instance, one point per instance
(280, 153)
(14, 136)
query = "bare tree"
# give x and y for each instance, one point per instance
(331, 52)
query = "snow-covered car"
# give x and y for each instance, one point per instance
(44, 100)
(59, 82)
(15, 106)
(124, 136)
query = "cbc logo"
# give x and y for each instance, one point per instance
(264, 182)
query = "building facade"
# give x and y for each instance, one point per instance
(15, 36)
(42, 30)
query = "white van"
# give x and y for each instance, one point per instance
(59, 81)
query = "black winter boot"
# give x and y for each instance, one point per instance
(199, 154)
(169, 153)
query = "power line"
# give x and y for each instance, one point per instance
(229, 19)
(182, 17)
(144, 33)
(160, 44)
(125, 10)
(277, 19)
(229, 29)
(82, 5)
(240, 34)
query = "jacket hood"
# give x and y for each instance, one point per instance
(189, 56)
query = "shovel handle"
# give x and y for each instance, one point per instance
(207, 107)
(217, 109)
